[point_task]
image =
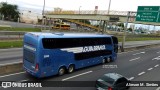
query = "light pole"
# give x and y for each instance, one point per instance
(80, 9)
(43, 7)
(43, 15)
(125, 29)
(79, 13)
(109, 6)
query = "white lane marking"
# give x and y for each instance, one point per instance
(141, 73)
(150, 69)
(158, 52)
(156, 65)
(135, 59)
(10, 63)
(139, 53)
(12, 74)
(76, 75)
(128, 52)
(131, 78)
(156, 58)
(158, 88)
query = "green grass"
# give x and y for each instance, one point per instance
(138, 38)
(11, 44)
(20, 29)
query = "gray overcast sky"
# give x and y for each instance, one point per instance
(120, 5)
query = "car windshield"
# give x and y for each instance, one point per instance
(108, 80)
(102, 84)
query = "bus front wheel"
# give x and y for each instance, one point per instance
(61, 71)
(71, 69)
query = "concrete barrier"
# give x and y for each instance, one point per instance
(138, 47)
(8, 26)
(11, 68)
(17, 67)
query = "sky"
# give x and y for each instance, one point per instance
(120, 5)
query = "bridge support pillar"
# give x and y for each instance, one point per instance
(100, 26)
(103, 27)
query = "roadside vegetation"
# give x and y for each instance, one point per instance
(19, 43)
(9, 12)
(138, 38)
(11, 44)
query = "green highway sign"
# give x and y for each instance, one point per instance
(148, 14)
(159, 19)
(148, 8)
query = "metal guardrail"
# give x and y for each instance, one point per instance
(11, 33)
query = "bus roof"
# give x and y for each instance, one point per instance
(66, 35)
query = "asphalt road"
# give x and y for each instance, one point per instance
(16, 24)
(10, 55)
(140, 65)
(15, 54)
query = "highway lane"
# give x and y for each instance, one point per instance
(16, 24)
(152, 75)
(133, 65)
(10, 55)
(15, 54)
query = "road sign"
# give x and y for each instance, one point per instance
(148, 8)
(148, 14)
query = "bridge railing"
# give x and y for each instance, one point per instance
(101, 12)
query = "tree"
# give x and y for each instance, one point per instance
(121, 25)
(9, 11)
(130, 29)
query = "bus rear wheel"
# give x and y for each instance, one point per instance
(103, 61)
(71, 69)
(108, 59)
(61, 71)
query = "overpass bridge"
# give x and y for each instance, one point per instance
(100, 15)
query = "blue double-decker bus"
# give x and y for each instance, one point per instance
(47, 54)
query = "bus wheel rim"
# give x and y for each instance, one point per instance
(108, 59)
(103, 61)
(61, 71)
(71, 69)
